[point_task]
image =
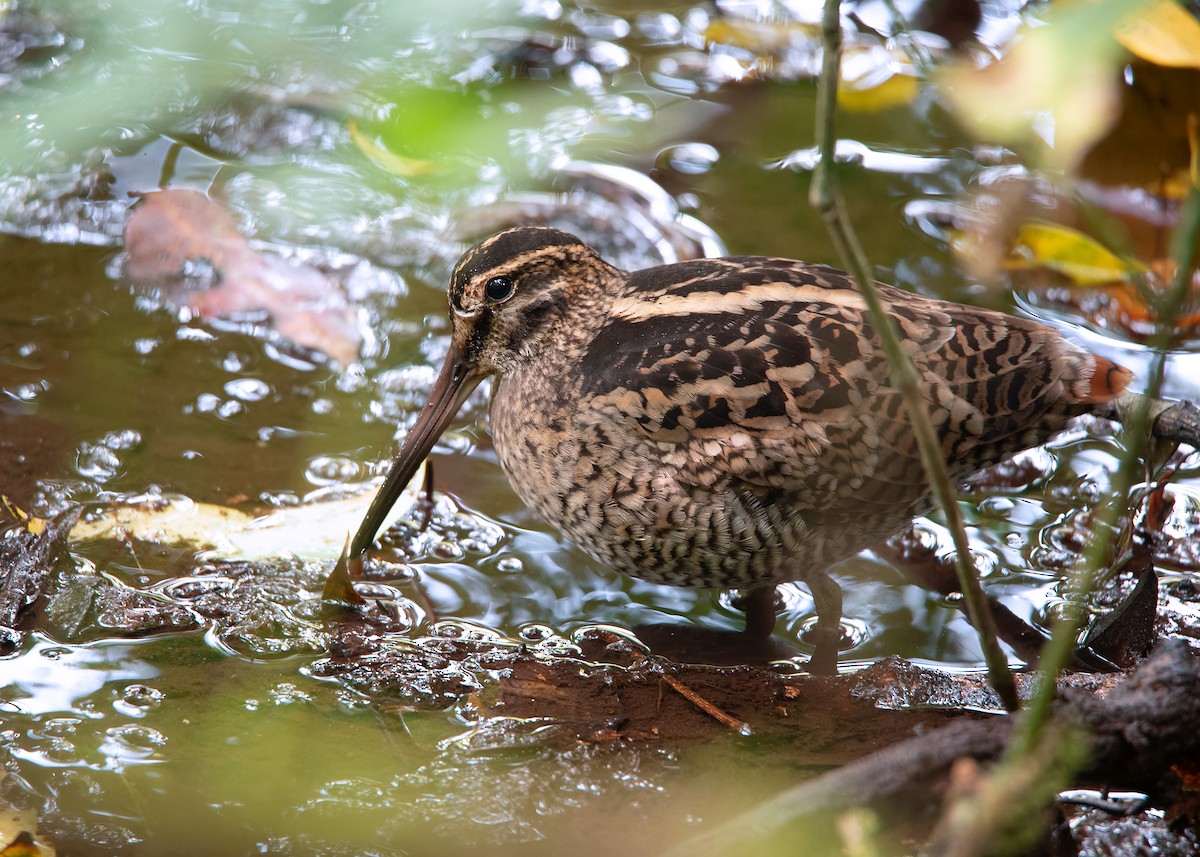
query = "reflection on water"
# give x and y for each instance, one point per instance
(49, 678)
(621, 126)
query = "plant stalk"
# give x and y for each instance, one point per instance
(1134, 435)
(825, 196)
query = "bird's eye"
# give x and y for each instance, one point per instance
(499, 288)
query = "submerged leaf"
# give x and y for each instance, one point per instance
(874, 79)
(314, 530)
(393, 162)
(1082, 259)
(186, 244)
(762, 38)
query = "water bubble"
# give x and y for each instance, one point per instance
(510, 565)
(230, 409)
(586, 78)
(1088, 491)
(190, 588)
(487, 535)
(248, 389)
(280, 499)
(446, 549)
(61, 726)
(597, 25)
(623, 107)
(96, 461)
(124, 439)
(74, 786)
(58, 750)
(141, 740)
(194, 334)
(559, 647)
(206, 403)
(464, 521)
(286, 693)
(332, 470)
(690, 158)
(536, 633)
(29, 392)
(142, 697)
(998, 506)
(386, 569)
(607, 57)
(658, 28)
(542, 10)
(146, 344)
(985, 563)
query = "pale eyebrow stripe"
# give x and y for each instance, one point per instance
(746, 299)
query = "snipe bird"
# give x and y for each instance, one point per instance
(728, 422)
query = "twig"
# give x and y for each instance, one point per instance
(704, 705)
(1178, 422)
(826, 198)
(427, 497)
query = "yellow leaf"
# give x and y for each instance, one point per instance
(874, 78)
(20, 516)
(762, 38)
(1164, 34)
(22, 846)
(312, 530)
(391, 161)
(1040, 244)
(896, 91)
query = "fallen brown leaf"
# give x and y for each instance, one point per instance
(174, 229)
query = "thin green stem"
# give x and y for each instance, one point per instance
(1134, 436)
(826, 198)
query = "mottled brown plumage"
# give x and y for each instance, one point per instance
(729, 422)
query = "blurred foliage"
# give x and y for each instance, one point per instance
(132, 65)
(1055, 92)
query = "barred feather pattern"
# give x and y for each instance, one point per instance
(731, 422)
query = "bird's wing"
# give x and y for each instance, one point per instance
(767, 371)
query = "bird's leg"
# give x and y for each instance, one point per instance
(827, 599)
(759, 604)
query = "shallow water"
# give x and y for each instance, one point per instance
(220, 739)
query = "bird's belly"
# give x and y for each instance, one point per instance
(620, 498)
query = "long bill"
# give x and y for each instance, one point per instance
(455, 382)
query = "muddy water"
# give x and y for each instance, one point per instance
(219, 739)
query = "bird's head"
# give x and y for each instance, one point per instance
(509, 296)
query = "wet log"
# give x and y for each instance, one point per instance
(1138, 732)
